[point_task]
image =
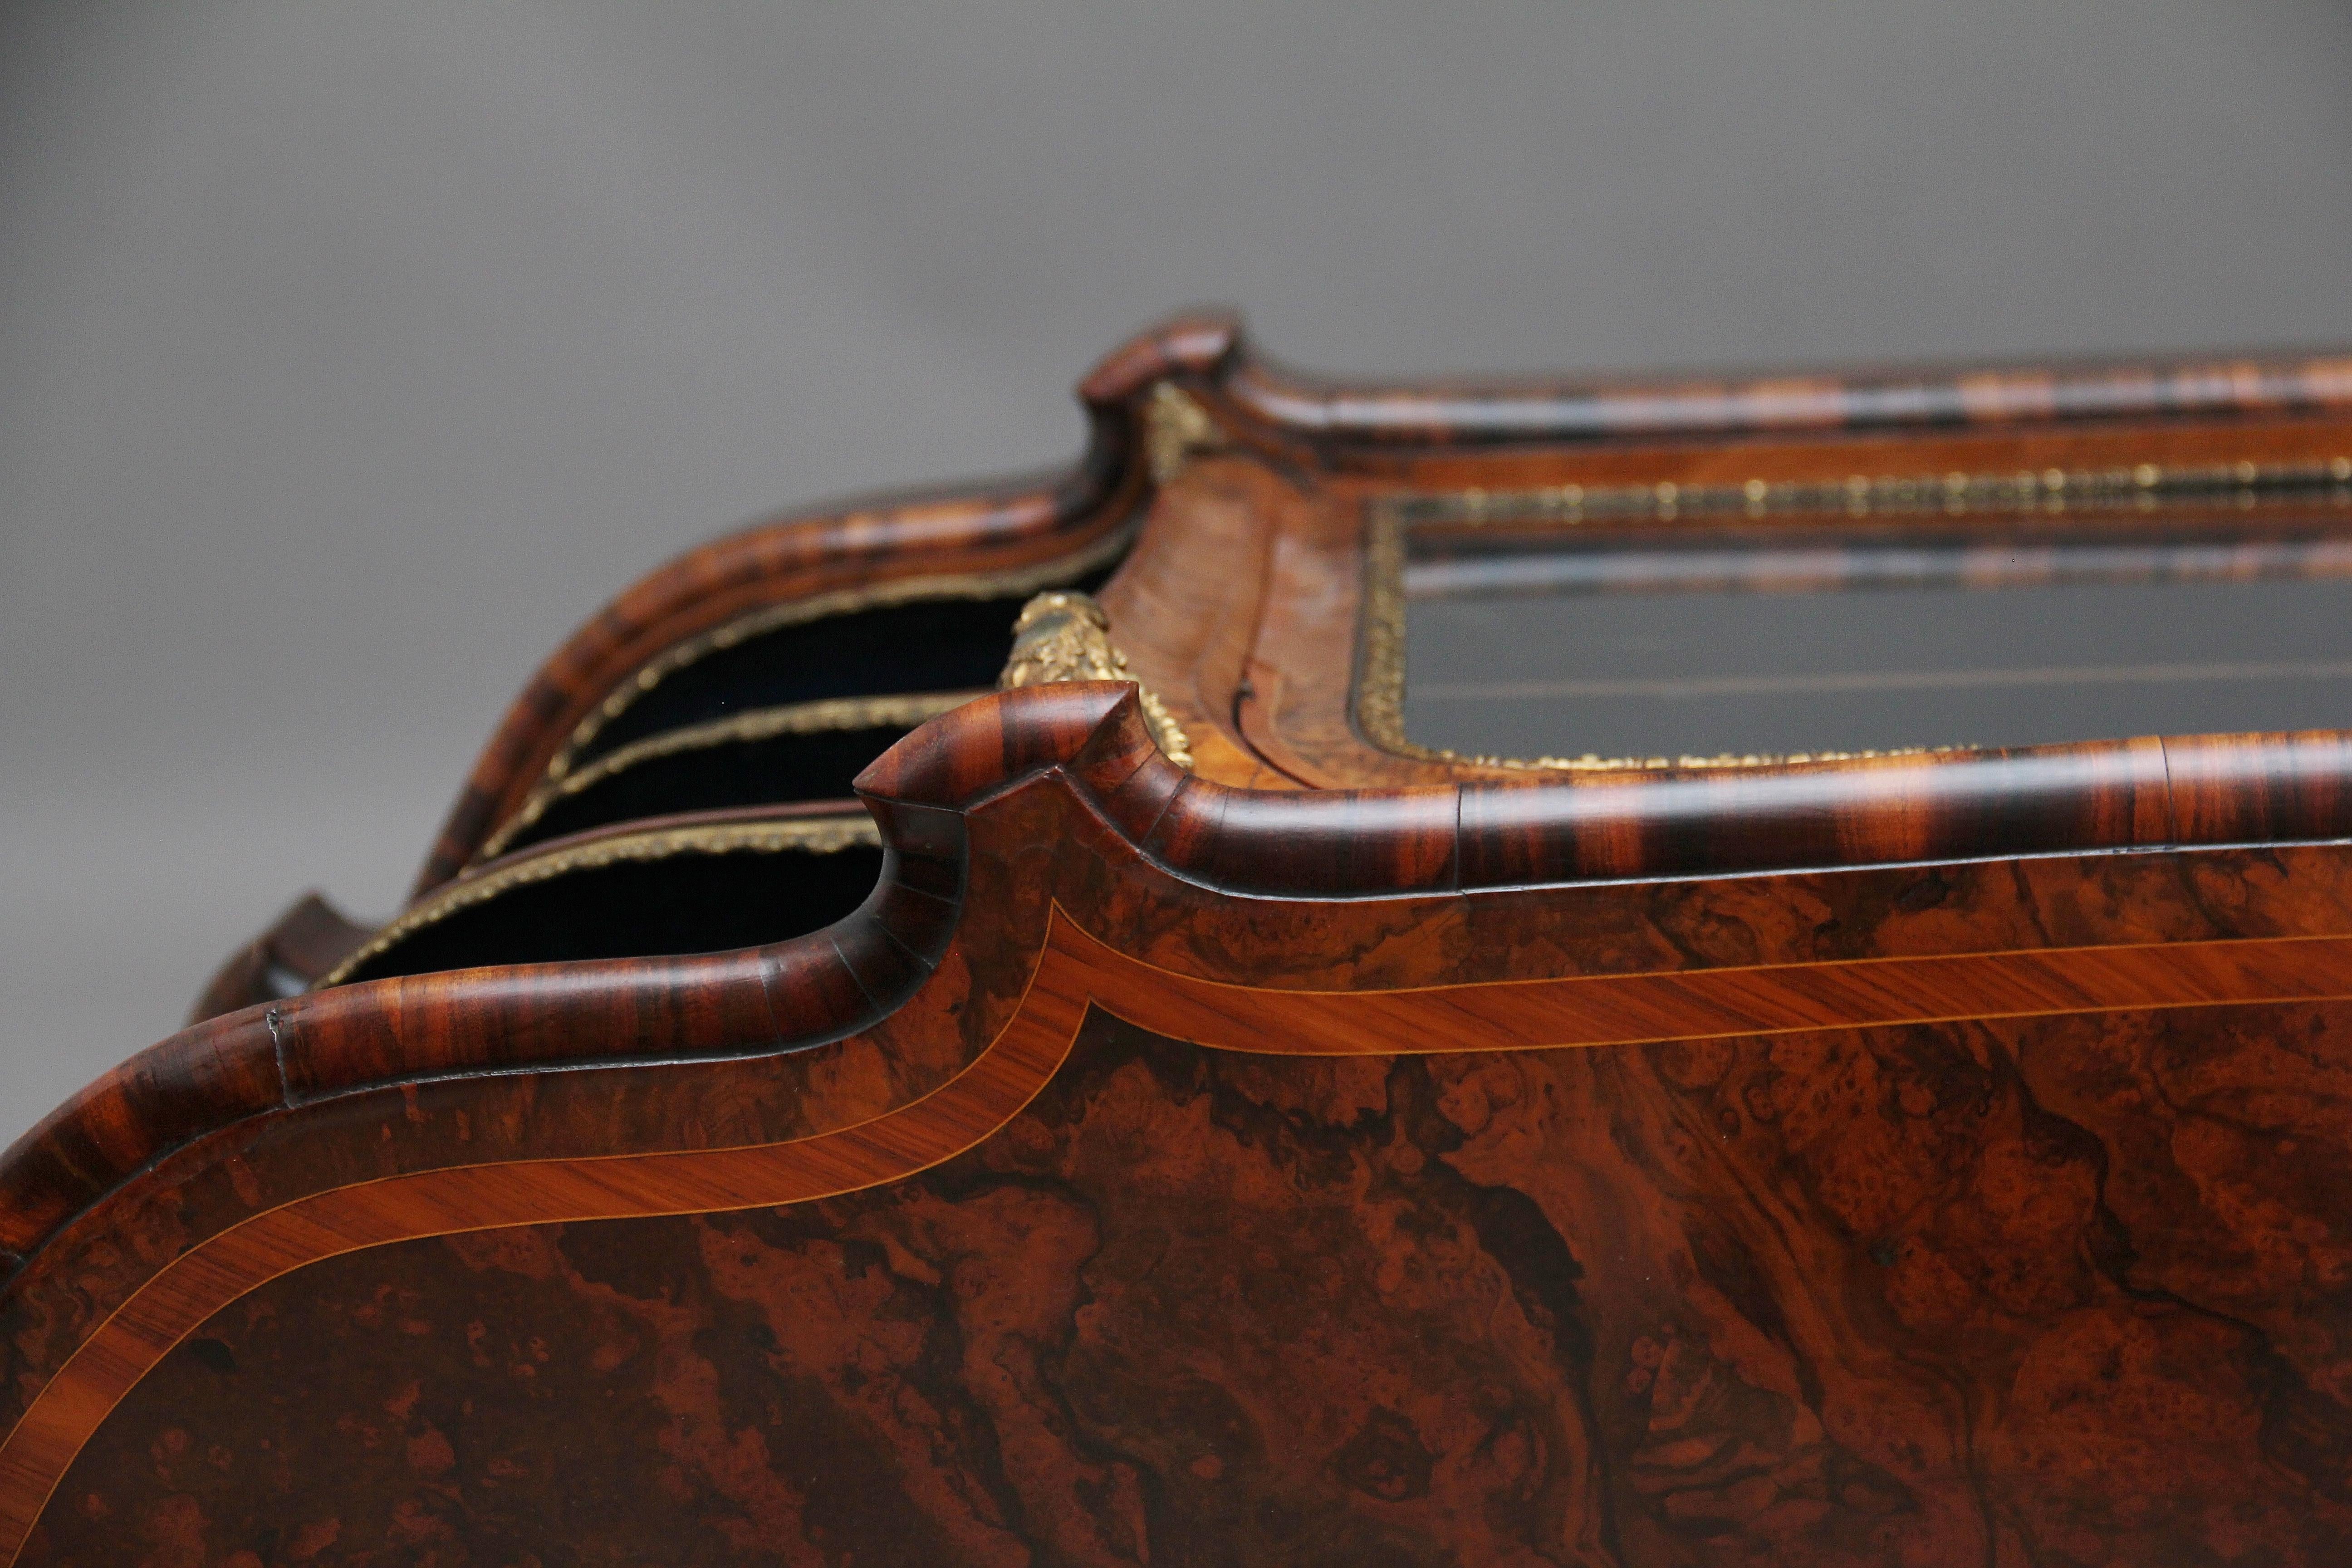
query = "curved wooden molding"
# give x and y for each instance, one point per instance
(969, 530)
(1043, 860)
(1554, 411)
(1288, 845)
(1075, 972)
(1327, 845)
(308, 939)
(981, 530)
(202, 1280)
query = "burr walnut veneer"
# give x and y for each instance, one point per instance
(1340, 1150)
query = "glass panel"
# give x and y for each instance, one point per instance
(1774, 635)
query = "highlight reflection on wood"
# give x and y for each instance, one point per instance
(1923, 1295)
(1969, 1000)
(1324, 1155)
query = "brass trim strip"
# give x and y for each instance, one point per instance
(898, 709)
(1380, 652)
(2049, 492)
(810, 836)
(1379, 668)
(820, 606)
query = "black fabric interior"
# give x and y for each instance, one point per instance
(684, 903)
(933, 645)
(742, 772)
(942, 645)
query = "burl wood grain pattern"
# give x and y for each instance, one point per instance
(1837, 1091)
(2065, 1292)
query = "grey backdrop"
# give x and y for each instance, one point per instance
(350, 353)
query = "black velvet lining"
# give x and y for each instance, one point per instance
(949, 645)
(684, 903)
(779, 769)
(934, 644)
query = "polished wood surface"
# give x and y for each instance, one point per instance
(1274, 499)
(301, 944)
(1534, 410)
(1325, 1153)
(1141, 914)
(1926, 1295)
(1276, 521)
(961, 533)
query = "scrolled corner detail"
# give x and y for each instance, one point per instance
(1066, 635)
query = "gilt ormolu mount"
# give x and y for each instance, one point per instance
(1335, 1149)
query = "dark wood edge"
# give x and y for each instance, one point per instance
(309, 938)
(312, 939)
(948, 532)
(958, 531)
(1053, 793)
(1254, 393)
(1255, 401)
(803, 828)
(2208, 790)
(2149, 792)
(791, 996)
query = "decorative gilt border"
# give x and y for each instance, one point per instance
(2047, 491)
(821, 607)
(1380, 652)
(897, 709)
(807, 835)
